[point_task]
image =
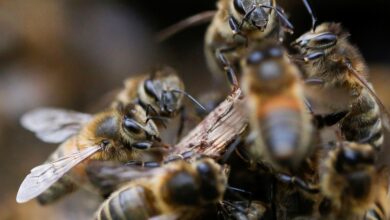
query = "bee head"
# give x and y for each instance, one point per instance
(160, 91)
(134, 123)
(212, 180)
(265, 68)
(256, 12)
(324, 38)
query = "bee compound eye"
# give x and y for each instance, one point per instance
(130, 125)
(150, 89)
(238, 5)
(255, 58)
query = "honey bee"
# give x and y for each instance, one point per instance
(340, 75)
(179, 190)
(118, 134)
(348, 181)
(238, 23)
(381, 208)
(160, 93)
(281, 125)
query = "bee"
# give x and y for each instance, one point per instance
(348, 181)
(337, 77)
(381, 208)
(238, 23)
(160, 93)
(179, 190)
(281, 125)
(118, 134)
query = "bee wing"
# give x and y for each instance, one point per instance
(108, 175)
(53, 125)
(43, 176)
(385, 115)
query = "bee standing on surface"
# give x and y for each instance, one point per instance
(278, 117)
(339, 69)
(118, 134)
(238, 23)
(349, 181)
(178, 190)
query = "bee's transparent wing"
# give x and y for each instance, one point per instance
(108, 175)
(45, 175)
(54, 125)
(385, 115)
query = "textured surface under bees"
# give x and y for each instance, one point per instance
(69, 53)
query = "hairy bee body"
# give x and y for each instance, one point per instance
(220, 36)
(341, 68)
(181, 190)
(158, 91)
(276, 108)
(349, 181)
(117, 134)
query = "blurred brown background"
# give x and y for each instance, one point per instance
(68, 54)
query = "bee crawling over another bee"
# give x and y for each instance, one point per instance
(118, 134)
(239, 23)
(337, 77)
(160, 93)
(279, 120)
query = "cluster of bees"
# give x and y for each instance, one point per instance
(279, 167)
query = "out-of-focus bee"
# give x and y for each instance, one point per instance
(238, 23)
(278, 118)
(381, 208)
(339, 73)
(179, 190)
(348, 181)
(118, 134)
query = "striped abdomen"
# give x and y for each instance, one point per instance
(281, 131)
(129, 202)
(363, 123)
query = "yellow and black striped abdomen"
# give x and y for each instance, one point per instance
(363, 123)
(130, 203)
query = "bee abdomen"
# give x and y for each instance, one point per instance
(129, 203)
(59, 189)
(281, 132)
(363, 123)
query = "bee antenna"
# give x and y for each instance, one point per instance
(313, 17)
(190, 97)
(160, 118)
(237, 191)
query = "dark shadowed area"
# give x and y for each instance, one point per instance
(69, 54)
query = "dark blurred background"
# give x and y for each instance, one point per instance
(68, 54)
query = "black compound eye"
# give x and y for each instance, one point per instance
(327, 39)
(239, 6)
(255, 58)
(130, 125)
(208, 187)
(150, 89)
(276, 52)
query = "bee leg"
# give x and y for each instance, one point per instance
(297, 182)
(329, 120)
(232, 147)
(146, 145)
(147, 164)
(313, 56)
(183, 156)
(313, 17)
(230, 73)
